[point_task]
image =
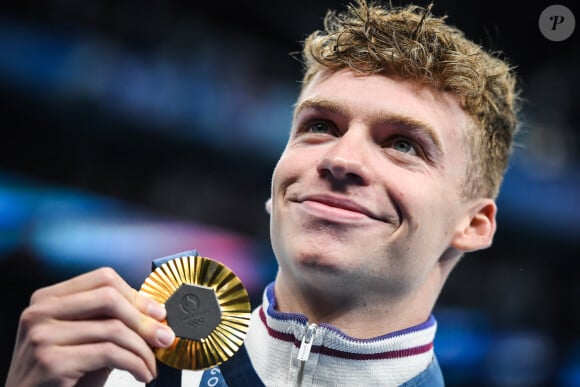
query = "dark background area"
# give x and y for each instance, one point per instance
(129, 127)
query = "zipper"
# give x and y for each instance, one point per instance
(306, 342)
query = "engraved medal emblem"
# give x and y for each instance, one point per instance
(208, 308)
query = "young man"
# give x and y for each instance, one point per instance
(400, 138)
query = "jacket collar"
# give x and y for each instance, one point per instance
(393, 357)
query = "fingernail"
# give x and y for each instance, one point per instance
(156, 310)
(165, 337)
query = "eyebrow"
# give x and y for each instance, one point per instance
(406, 123)
(318, 104)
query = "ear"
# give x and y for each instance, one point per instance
(477, 231)
(268, 206)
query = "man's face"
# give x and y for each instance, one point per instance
(367, 189)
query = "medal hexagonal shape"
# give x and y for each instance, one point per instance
(193, 311)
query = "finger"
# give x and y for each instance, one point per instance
(67, 333)
(106, 355)
(103, 303)
(71, 363)
(103, 277)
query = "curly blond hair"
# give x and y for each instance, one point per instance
(411, 43)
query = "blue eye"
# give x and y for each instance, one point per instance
(404, 146)
(319, 127)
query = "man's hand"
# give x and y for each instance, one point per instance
(77, 331)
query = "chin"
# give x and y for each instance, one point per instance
(322, 269)
(317, 264)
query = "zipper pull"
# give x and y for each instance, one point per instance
(306, 343)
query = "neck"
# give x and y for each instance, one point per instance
(361, 314)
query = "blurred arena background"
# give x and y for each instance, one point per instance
(136, 129)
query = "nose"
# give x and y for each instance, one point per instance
(344, 162)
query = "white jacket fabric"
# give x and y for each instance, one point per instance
(335, 359)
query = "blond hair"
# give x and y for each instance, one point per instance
(411, 43)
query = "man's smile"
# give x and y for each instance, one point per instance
(336, 208)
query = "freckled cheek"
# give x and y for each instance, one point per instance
(293, 165)
(284, 173)
(414, 205)
(276, 181)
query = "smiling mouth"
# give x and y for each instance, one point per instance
(336, 209)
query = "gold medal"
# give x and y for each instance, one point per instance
(208, 308)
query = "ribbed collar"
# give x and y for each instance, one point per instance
(390, 359)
